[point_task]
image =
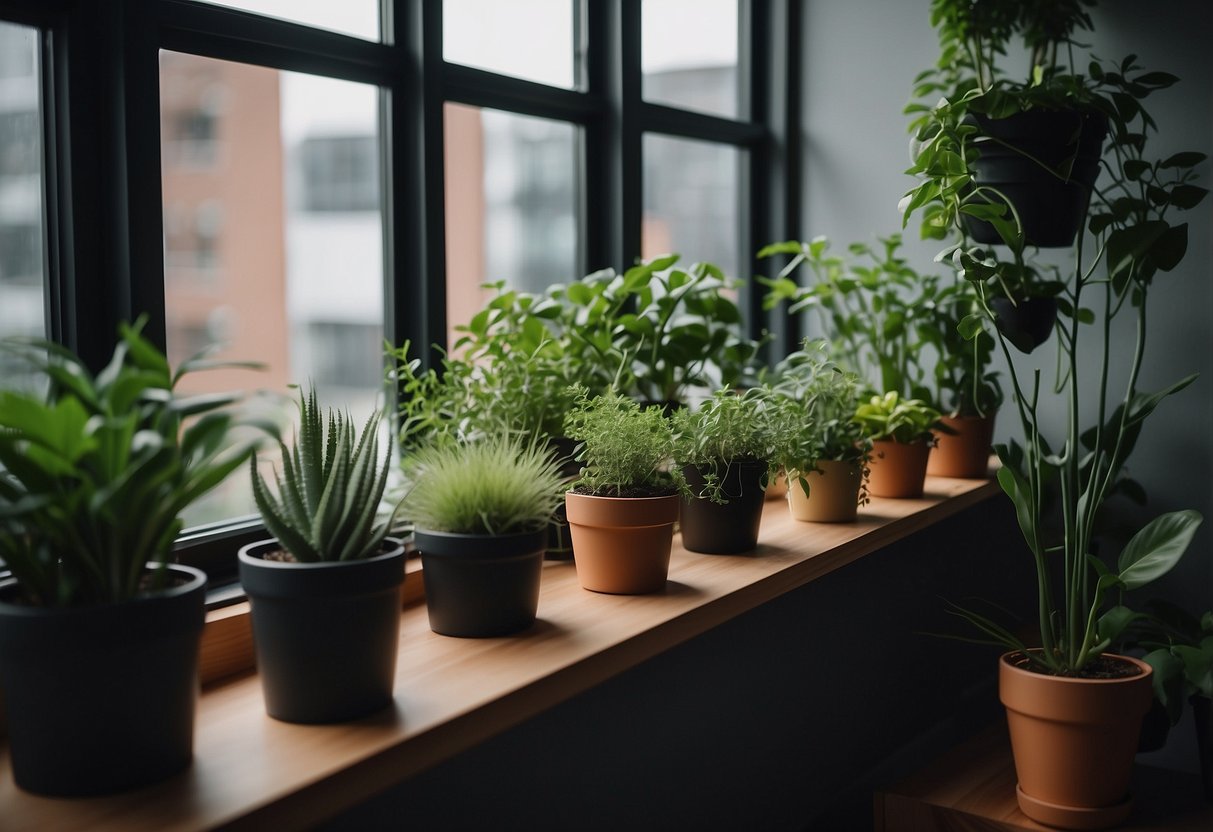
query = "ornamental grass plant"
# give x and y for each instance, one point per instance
(497, 485)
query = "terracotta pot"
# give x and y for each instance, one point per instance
(621, 545)
(964, 454)
(777, 489)
(833, 493)
(897, 469)
(1073, 741)
(729, 529)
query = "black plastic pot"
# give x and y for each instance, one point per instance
(560, 541)
(1027, 323)
(479, 586)
(1051, 209)
(101, 698)
(326, 634)
(729, 529)
(1202, 712)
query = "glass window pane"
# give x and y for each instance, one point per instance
(531, 39)
(691, 201)
(689, 54)
(359, 18)
(512, 187)
(273, 235)
(21, 211)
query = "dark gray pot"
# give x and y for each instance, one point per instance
(479, 586)
(326, 634)
(714, 529)
(101, 698)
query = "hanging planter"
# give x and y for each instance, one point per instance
(729, 528)
(103, 695)
(479, 585)
(833, 493)
(1073, 740)
(1050, 203)
(963, 453)
(1026, 322)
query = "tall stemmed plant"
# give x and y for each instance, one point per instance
(1131, 241)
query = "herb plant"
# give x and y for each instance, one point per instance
(497, 485)
(725, 429)
(94, 474)
(625, 449)
(813, 402)
(329, 490)
(892, 417)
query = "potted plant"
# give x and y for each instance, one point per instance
(325, 590)
(902, 434)
(876, 311)
(623, 508)
(723, 447)
(819, 446)
(99, 633)
(481, 511)
(968, 389)
(1074, 710)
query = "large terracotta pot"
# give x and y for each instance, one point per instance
(833, 493)
(621, 545)
(897, 469)
(964, 454)
(1073, 741)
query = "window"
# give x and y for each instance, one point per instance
(21, 209)
(330, 174)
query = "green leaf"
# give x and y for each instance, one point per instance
(1114, 622)
(1186, 159)
(1187, 196)
(1157, 547)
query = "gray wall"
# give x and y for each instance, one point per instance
(859, 60)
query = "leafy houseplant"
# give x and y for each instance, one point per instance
(901, 430)
(623, 508)
(94, 475)
(481, 511)
(325, 592)
(724, 447)
(1131, 241)
(818, 444)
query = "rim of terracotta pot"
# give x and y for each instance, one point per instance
(592, 510)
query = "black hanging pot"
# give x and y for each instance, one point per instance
(326, 633)
(101, 698)
(1026, 322)
(479, 586)
(1050, 208)
(714, 529)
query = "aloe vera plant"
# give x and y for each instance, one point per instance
(329, 489)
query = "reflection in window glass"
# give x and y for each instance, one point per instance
(21, 246)
(511, 205)
(273, 236)
(689, 54)
(359, 18)
(531, 39)
(691, 200)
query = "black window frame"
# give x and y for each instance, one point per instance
(101, 123)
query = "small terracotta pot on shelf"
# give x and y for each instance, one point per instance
(621, 545)
(898, 469)
(1073, 740)
(964, 454)
(833, 493)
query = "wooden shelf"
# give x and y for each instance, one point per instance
(972, 789)
(253, 772)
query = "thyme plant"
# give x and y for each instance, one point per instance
(625, 449)
(728, 428)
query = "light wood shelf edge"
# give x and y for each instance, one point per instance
(252, 772)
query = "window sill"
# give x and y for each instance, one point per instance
(253, 772)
